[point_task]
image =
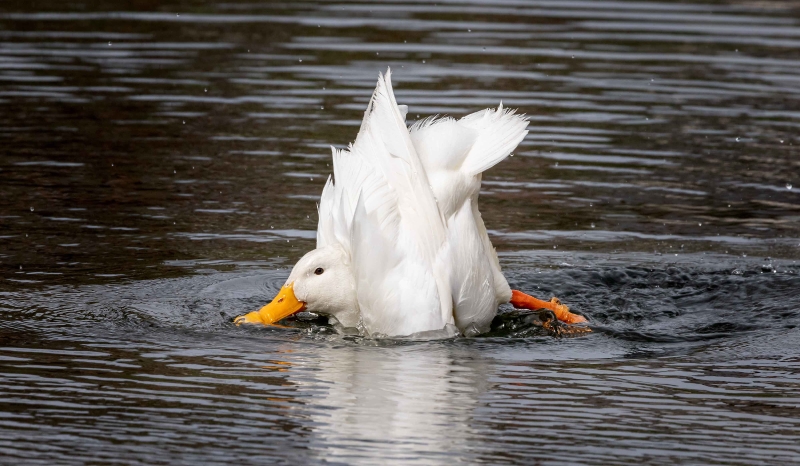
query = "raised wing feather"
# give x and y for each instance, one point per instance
(380, 208)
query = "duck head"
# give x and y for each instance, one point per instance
(321, 282)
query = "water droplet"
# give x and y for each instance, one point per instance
(423, 61)
(789, 186)
(300, 60)
(184, 122)
(31, 209)
(699, 224)
(205, 90)
(592, 224)
(737, 139)
(555, 246)
(109, 43)
(174, 171)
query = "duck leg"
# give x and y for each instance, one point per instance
(549, 322)
(521, 300)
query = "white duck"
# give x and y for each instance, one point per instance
(401, 246)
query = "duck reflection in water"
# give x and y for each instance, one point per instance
(382, 398)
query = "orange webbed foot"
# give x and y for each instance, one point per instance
(521, 300)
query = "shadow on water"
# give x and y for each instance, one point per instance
(159, 168)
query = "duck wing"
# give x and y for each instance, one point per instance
(380, 207)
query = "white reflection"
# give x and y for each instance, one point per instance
(404, 404)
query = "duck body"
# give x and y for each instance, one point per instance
(401, 245)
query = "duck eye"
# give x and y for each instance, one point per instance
(319, 271)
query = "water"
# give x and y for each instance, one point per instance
(159, 168)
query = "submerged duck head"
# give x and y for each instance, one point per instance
(321, 282)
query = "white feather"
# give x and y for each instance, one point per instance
(403, 204)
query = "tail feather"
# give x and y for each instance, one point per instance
(500, 131)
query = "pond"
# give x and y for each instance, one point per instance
(160, 165)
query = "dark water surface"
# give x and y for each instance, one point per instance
(159, 167)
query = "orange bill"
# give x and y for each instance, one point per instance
(524, 301)
(284, 305)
